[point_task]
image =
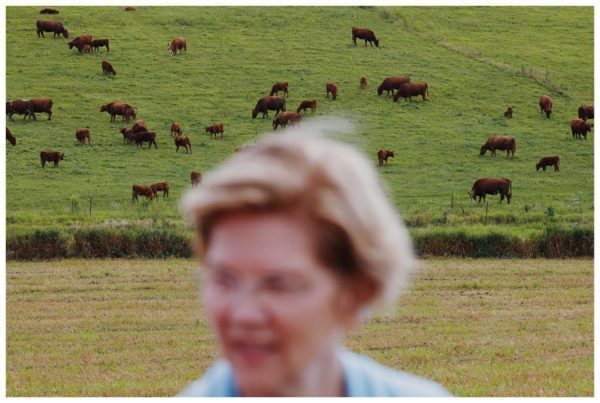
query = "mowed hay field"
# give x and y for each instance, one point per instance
(476, 61)
(135, 328)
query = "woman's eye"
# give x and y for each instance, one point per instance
(224, 279)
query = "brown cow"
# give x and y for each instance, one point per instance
(508, 113)
(279, 87)
(284, 118)
(119, 108)
(580, 127)
(383, 155)
(546, 105)
(11, 137)
(492, 186)
(161, 187)
(40, 105)
(409, 90)
(331, 88)
(304, 105)
(141, 137)
(183, 141)
(78, 42)
(392, 83)
(268, 103)
(53, 156)
(142, 190)
(107, 68)
(177, 44)
(51, 26)
(586, 112)
(138, 126)
(128, 135)
(82, 134)
(48, 11)
(363, 83)
(98, 43)
(19, 107)
(366, 34)
(494, 143)
(546, 161)
(215, 129)
(85, 48)
(129, 8)
(176, 129)
(196, 178)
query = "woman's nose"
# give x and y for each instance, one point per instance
(246, 308)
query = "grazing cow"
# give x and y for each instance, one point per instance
(128, 135)
(138, 126)
(98, 43)
(409, 90)
(366, 34)
(176, 129)
(19, 107)
(82, 134)
(392, 83)
(53, 156)
(119, 108)
(177, 44)
(141, 137)
(48, 11)
(279, 87)
(51, 26)
(494, 143)
(78, 42)
(546, 161)
(508, 113)
(304, 105)
(161, 187)
(129, 8)
(196, 178)
(383, 155)
(586, 112)
(41, 105)
(286, 117)
(363, 83)
(142, 190)
(11, 137)
(331, 88)
(183, 141)
(492, 186)
(546, 105)
(580, 127)
(215, 129)
(268, 103)
(107, 68)
(85, 48)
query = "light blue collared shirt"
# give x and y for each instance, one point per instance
(363, 377)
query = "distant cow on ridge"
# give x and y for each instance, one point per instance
(366, 34)
(48, 11)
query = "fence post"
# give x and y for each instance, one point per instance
(452, 199)
(90, 204)
(486, 211)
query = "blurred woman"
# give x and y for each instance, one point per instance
(298, 245)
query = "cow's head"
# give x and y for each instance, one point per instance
(391, 154)
(482, 150)
(65, 32)
(472, 195)
(71, 44)
(376, 42)
(170, 49)
(275, 124)
(61, 156)
(537, 166)
(104, 108)
(589, 126)
(380, 90)
(254, 113)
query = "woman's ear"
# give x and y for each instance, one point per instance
(356, 299)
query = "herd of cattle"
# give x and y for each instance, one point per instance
(139, 132)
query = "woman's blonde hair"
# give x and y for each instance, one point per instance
(359, 233)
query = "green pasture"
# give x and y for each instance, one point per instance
(480, 327)
(476, 61)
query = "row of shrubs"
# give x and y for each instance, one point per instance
(553, 242)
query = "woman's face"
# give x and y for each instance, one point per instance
(278, 312)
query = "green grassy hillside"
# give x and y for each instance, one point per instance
(477, 61)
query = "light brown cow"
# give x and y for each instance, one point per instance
(183, 141)
(196, 178)
(53, 156)
(546, 105)
(160, 187)
(107, 68)
(177, 44)
(176, 129)
(363, 83)
(332, 89)
(119, 108)
(284, 118)
(383, 155)
(82, 134)
(215, 129)
(504, 143)
(392, 83)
